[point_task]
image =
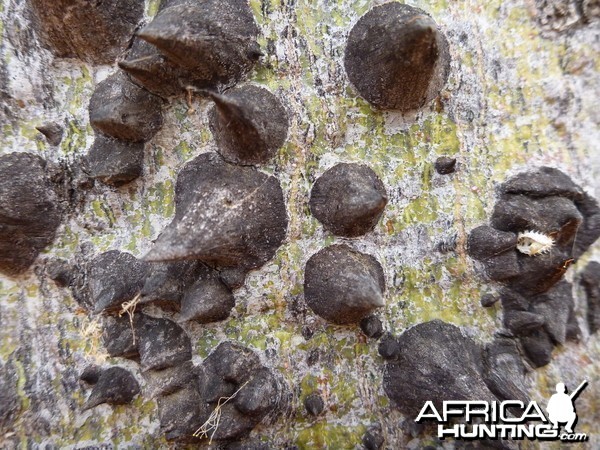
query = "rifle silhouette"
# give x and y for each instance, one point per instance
(578, 390)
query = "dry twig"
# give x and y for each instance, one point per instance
(212, 423)
(129, 308)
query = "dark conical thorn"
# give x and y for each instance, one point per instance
(343, 285)
(232, 363)
(115, 386)
(147, 67)
(254, 51)
(224, 101)
(259, 396)
(348, 199)
(136, 66)
(223, 214)
(167, 282)
(208, 300)
(388, 347)
(182, 413)
(411, 379)
(162, 343)
(255, 54)
(118, 336)
(160, 383)
(31, 209)
(504, 369)
(91, 374)
(445, 165)
(367, 203)
(249, 124)
(200, 39)
(52, 131)
(156, 33)
(106, 300)
(314, 404)
(123, 110)
(420, 29)
(372, 327)
(95, 32)
(175, 244)
(396, 58)
(113, 278)
(230, 109)
(113, 161)
(522, 322)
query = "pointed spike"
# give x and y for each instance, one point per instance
(31, 209)
(160, 383)
(259, 396)
(114, 277)
(201, 40)
(52, 131)
(411, 378)
(115, 386)
(254, 51)
(162, 343)
(95, 32)
(166, 283)
(148, 68)
(249, 124)
(372, 326)
(225, 103)
(376, 297)
(223, 214)
(118, 337)
(207, 301)
(396, 58)
(106, 300)
(178, 241)
(348, 199)
(123, 110)
(342, 285)
(154, 34)
(232, 362)
(230, 109)
(504, 370)
(113, 161)
(91, 374)
(182, 413)
(369, 202)
(134, 66)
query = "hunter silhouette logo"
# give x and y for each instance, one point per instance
(561, 408)
(510, 419)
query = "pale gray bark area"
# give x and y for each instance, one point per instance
(523, 91)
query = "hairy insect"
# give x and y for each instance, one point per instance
(534, 243)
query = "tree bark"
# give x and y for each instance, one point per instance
(523, 92)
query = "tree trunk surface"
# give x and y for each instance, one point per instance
(523, 92)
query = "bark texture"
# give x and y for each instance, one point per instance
(522, 92)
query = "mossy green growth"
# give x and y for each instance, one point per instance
(79, 89)
(74, 140)
(422, 298)
(160, 199)
(329, 122)
(324, 435)
(152, 7)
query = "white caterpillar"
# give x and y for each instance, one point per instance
(534, 243)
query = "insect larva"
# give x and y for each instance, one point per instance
(534, 243)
